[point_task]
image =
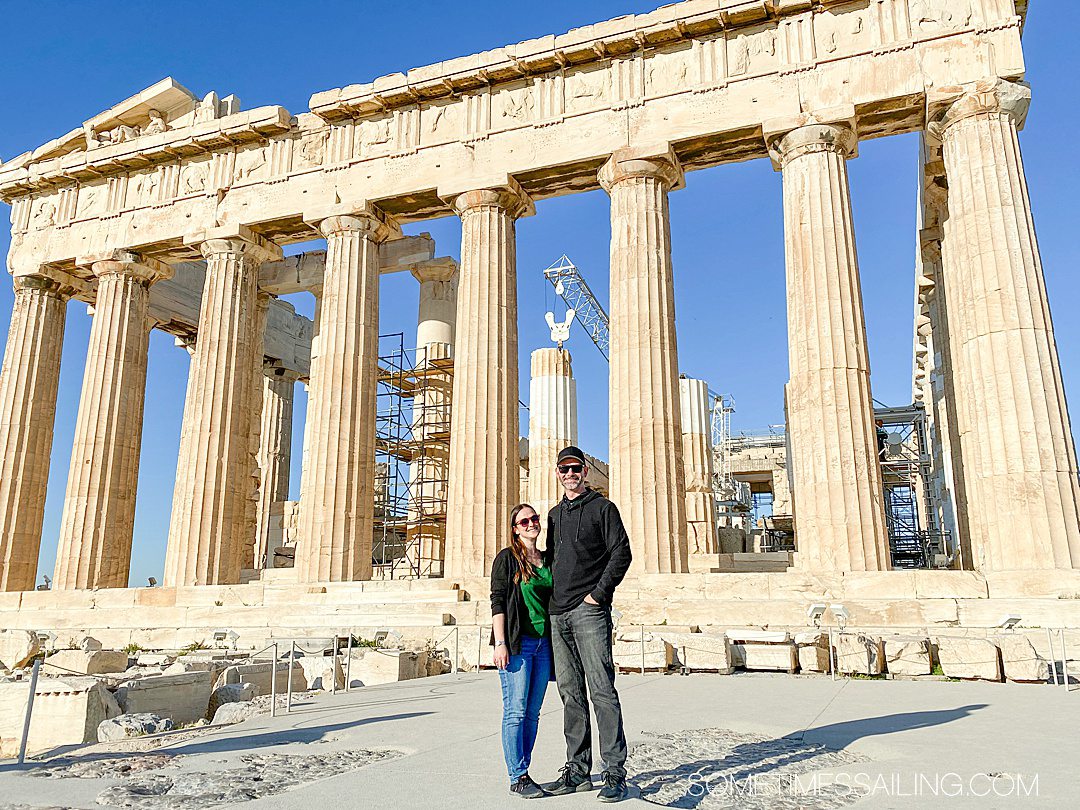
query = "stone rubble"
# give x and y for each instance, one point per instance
(132, 725)
(259, 775)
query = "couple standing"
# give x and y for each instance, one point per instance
(550, 610)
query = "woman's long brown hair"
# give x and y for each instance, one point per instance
(517, 548)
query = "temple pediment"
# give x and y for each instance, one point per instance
(162, 107)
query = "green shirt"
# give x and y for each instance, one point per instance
(537, 593)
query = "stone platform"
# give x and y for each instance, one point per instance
(939, 601)
(746, 738)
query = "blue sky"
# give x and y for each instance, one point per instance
(65, 62)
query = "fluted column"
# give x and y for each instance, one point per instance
(213, 479)
(28, 385)
(646, 465)
(337, 492)
(839, 508)
(1016, 442)
(275, 451)
(552, 423)
(484, 466)
(99, 508)
(698, 462)
(429, 467)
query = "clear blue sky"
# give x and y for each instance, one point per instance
(65, 62)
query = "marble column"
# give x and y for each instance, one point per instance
(1020, 467)
(99, 509)
(646, 466)
(337, 491)
(429, 467)
(698, 462)
(552, 424)
(29, 379)
(209, 528)
(484, 465)
(839, 503)
(275, 451)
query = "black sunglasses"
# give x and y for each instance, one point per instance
(534, 520)
(569, 468)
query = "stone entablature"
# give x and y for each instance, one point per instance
(703, 76)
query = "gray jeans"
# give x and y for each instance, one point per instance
(581, 641)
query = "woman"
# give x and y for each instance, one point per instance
(521, 633)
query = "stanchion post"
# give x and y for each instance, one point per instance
(1064, 661)
(348, 663)
(288, 687)
(642, 649)
(1053, 659)
(456, 664)
(273, 681)
(333, 670)
(29, 710)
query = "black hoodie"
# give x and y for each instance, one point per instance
(591, 550)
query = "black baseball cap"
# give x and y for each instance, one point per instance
(571, 453)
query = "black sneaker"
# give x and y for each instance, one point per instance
(569, 781)
(614, 789)
(526, 788)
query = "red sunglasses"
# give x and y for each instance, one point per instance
(534, 520)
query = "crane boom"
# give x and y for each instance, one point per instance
(571, 287)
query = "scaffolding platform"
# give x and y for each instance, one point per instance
(412, 451)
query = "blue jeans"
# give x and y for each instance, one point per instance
(582, 642)
(524, 682)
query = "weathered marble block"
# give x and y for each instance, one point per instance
(702, 652)
(370, 666)
(323, 672)
(860, 654)
(1020, 661)
(67, 711)
(83, 662)
(181, 698)
(258, 674)
(17, 648)
(907, 655)
(658, 654)
(970, 658)
(763, 650)
(813, 651)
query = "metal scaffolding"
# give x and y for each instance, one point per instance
(412, 449)
(915, 538)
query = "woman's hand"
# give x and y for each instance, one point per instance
(502, 656)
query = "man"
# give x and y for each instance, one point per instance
(591, 555)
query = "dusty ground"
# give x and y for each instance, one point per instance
(704, 741)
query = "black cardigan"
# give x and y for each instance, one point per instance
(506, 597)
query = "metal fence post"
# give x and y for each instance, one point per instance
(273, 681)
(1050, 652)
(29, 710)
(1064, 661)
(456, 665)
(348, 663)
(333, 670)
(642, 649)
(288, 687)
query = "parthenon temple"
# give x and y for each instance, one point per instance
(171, 210)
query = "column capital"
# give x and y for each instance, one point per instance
(237, 239)
(800, 135)
(502, 192)
(442, 269)
(359, 216)
(656, 160)
(127, 263)
(946, 106)
(41, 284)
